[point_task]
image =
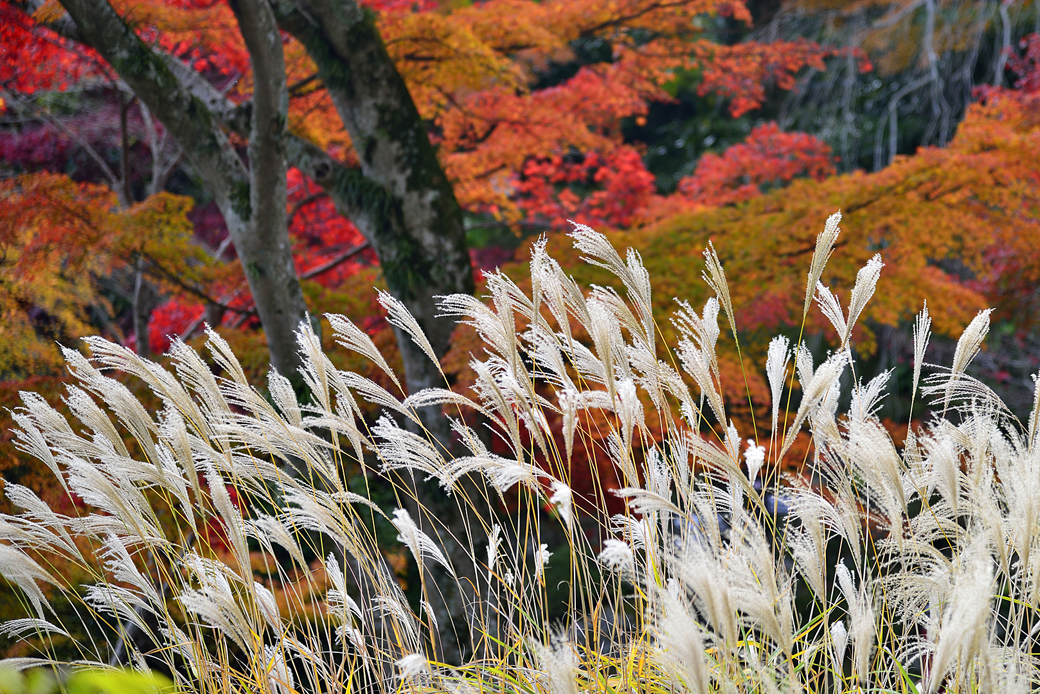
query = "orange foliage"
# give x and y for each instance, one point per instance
(56, 238)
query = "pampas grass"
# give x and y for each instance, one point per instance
(245, 542)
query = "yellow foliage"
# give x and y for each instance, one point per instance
(56, 238)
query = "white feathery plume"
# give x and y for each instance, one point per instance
(279, 676)
(225, 357)
(18, 569)
(644, 501)
(431, 617)
(866, 283)
(700, 572)
(600, 252)
(962, 632)
(698, 364)
(922, 333)
(638, 532)
(215, 604)
(704, 329)
(401, 318)
(866, 399)
(541, 559)
(561, 499)
(967, 348)
(268, 606)
(814, 392)
(628, 407)
(400, 449)
(970, 341)
(194, 373)
(127, 605)
(716, 278)
(494, 542)
(682, 645)
(284, 397)
(232, 517)
(568, 399)
(861, 620)
(30, 440)
(339, 601)
(396, 608)
(375, 394)
(430, 397)
(945, 471)
(803, 361)
(39, 522)
(558, 664)
(87, 411)
(489, 325)
(616, 556)
(839, 642)
(316, 368)
(604, 332)
(777, 359)
(754, 457)
(354, 338)
(1034, 414)
(824, 247)
(807, 553)
(269, 531)
(502, 473)
(831, 309)
(413, 665)
(13, 629)
(418, 543)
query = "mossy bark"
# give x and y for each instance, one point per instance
(265, 249)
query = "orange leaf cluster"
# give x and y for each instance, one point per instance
(56, 238)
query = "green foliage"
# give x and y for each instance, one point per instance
(41, 681)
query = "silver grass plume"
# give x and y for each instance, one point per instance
(777, 358)
(716, 279)
(862, 291)
(616, 556)
(963, 628)
(401, 318)
(824, 248)
(418, 543)
(861, 620)
(831, 309)
(682, 645)
(1034, 414)
(557, 663)
(355, 339)
(922, 333)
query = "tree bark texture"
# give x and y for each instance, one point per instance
(415, 224)
(265, 251)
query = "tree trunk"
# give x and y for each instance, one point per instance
(263, 247)
(417, 229)
(415, 226)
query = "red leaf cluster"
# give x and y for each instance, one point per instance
(34, 58)
(601, 190)
(768, 158)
